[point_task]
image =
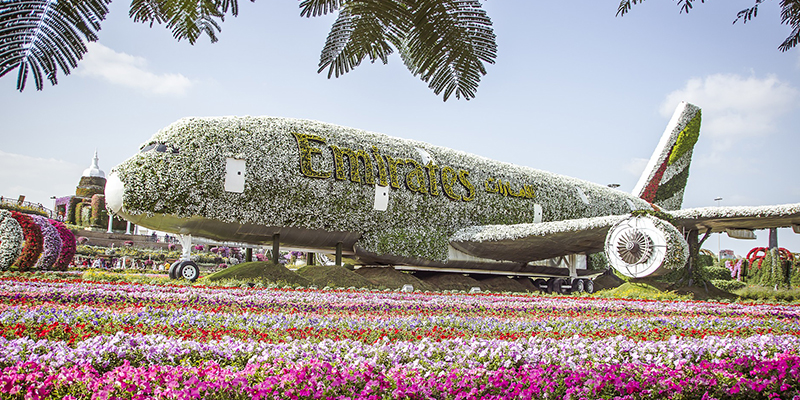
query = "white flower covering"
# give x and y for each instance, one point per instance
(415, 225)
(10, 239)
(677, 251)
(783, 210)
(674, 202)
(683, 120)
(511, 232)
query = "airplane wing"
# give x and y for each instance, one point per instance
(537, 241)
(720, 219)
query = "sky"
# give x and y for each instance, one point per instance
(574, 90)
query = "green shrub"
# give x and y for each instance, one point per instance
(705, 260)
(631, 290)
(597, 261)
(714, 272)
(728, 285)
(762, 293)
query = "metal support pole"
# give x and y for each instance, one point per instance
(773, 238)
(248, 254)
(339, 254)
(311, 258)
(276, 247)
(110, 220)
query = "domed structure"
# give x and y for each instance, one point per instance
(92, 182)
(94, 170)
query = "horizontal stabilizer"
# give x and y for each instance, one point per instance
(537, 241)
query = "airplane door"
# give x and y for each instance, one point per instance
(234, 175)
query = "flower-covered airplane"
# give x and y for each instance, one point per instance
(384, 200)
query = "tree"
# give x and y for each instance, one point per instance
(444, 42)
(790, 15)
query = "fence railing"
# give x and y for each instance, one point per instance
(24, 204)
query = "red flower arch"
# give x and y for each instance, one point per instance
(33, 242)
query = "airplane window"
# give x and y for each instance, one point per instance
(161, 148)
(147, 148)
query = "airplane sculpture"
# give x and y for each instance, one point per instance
(390, 201)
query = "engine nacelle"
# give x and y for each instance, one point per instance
(644, 245)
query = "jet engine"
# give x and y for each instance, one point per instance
(644, 245)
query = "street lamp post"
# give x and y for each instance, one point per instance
(719, 235)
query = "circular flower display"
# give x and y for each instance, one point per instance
(67, 246)
(10, 239)
(33, 242)
(51, 244)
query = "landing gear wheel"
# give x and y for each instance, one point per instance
(555, 285)
(189, 271)
(550, 286)
(540, 284)
(577, 286)
(588, 286)
(173, 270)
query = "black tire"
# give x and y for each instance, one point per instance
(577, 286)
(188, 270)
(540, 284)
(173, 270)
(588, 286)
(550, 286)
(558, 286)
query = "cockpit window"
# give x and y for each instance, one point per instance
(160, 147)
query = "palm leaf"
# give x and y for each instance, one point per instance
(447, 45)
(364, 28)
(315, 8)
(790, 15)
(39, 37)
(188, 19)
(445, 42)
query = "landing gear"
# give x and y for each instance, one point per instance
(173, 270)
(588, 286)
(578, 285)
(541, 284)
(555, 285)
(188, 270)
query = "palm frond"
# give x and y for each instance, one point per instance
(686, 5)
(625, 6)
(188, 19)
(790, 15)
(39, 37)
(145, 11)
(364, 28)
(315, 8)
(447, 45)
(748, 13)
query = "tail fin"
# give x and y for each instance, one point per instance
(664, 179)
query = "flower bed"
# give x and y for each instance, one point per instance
(118, 340)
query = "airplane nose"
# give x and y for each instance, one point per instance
(114, 191)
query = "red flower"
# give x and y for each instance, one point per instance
(33, 242)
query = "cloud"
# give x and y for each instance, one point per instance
(636, 166)
(735, 107)
(37, 178)
(130, 71)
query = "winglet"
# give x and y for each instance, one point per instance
(664, 179)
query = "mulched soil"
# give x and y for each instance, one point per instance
(445, 281)
(334, 276)
(259, 270)
(388, 277)
(499, 283)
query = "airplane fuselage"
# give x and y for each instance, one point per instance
(387, 200)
